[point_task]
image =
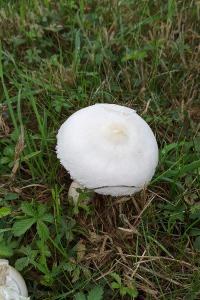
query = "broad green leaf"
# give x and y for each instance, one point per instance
(28, 209)
(11, 196)
(115, 285)
(21, 226)
(47, 218)
(123, 291)
(42, 209)
(22, 263)
(96, 293)
(5, 250)
(116, 277)
(4, 211)
(42, 230)
(132, 292)
(43, 248)
(42, 268)
(195, 212)
(28, 251)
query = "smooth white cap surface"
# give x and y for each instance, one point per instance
(12, 285)
(108, 148)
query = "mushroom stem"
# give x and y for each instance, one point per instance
(74, 193)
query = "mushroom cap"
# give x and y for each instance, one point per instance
(14, 286)
(108, 148)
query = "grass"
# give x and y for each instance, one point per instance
(55, 58)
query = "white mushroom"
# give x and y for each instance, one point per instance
(108, 148)
(12, 284)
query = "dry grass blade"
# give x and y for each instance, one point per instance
(158, 274)
(4, 128)
(141, 213)
(18, 150)
(152, 258)
(148, 290)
